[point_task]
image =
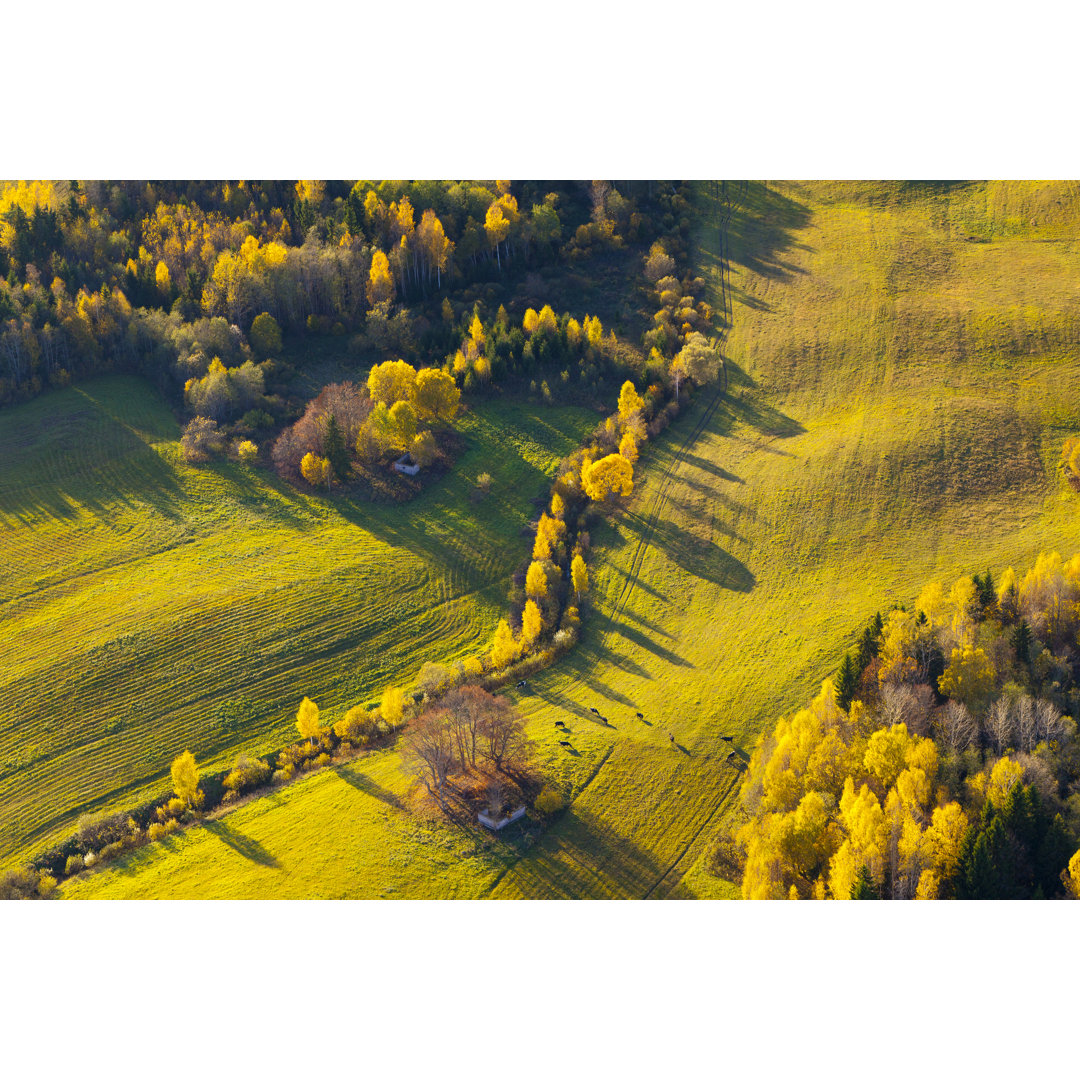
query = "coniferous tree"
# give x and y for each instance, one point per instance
(847, 680)
(334, 446)
(865, 887)
(1021, 642)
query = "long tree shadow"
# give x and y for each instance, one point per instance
(761, 228)
(241, 844)
(701, 558)
(368, 786)
(578, 858)
(711, 467)
(638, 638)
(747, 404)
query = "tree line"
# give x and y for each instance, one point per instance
(940, 762)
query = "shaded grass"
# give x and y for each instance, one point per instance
(898, 397)
(141, 597)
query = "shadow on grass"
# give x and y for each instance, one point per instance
(700, 558)
(638, 638)
(368, 786)
(241, 844)
(576, 857)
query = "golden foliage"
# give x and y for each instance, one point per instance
(185, 777)
(532, 623)
(391, 381)
(504, 649)
(579, 575)
(392, 706)
(315, 470)
(611, 475)
(307, 719)
(536, 584)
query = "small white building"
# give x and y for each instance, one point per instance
(406, 465)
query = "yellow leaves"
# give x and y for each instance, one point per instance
(476, 332)
(1007, 583)
(504, 649)
(628, 447)
(185, 777)
(532, 623)
(629, 401)
(808, 754)
(573, 333)
(546, 322)
(886, 754)
(391, 382)
(963, 601)
(496, 225)
(611, 475)
(310, 191)
(549, 532)
(1003, 776)
(530, 322)
(897, 638)
(579, 575)
(536, 583)
(246, 452)
(315, 470)
(914, 790)
(392, 706)
(435, 394)
(403, 419)
(944, 837)
(969, 677)
(216, 367)
(558, 506)
(1071, 878)
(593, 330)
(307, 719)
(380, 286)
(482, 367)
(929, 886)
(933, 605)
(355, 725)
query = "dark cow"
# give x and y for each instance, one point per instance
(592, 710)
(640, 716)
(563, 742)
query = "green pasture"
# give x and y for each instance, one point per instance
(901, 375)
(148, 606)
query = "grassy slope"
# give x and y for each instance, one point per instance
(898, 398)
(138, 594)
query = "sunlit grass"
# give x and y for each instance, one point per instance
(140, 595)
(899, 393)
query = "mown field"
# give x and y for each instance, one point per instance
(901, 376)
(148, 606)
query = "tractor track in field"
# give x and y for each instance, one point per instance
(656, 506)
(660, 497)
(720, 803)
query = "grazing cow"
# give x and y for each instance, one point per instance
(671, 737)
(727, 738)
(592, 710)
(640, 716)
(563, 742)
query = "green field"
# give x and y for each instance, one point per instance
(141, 597)
(901, 378)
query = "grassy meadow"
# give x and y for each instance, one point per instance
(901, 376)
(148, 606)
